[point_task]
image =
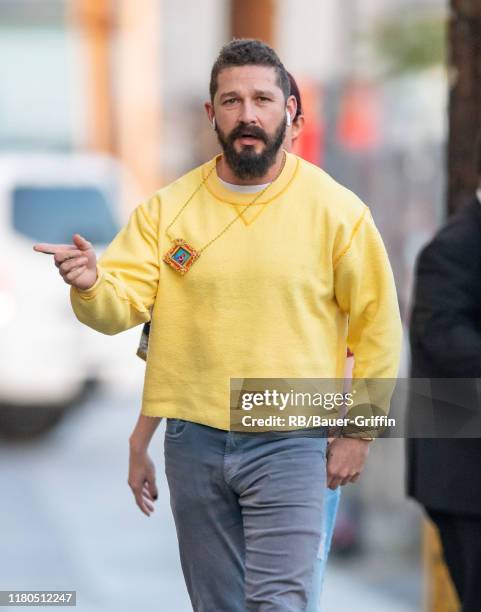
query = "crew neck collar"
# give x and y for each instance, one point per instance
(243, 188)
(216, 187)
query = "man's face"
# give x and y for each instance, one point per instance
(250, 114)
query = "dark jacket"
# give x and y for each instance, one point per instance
(445, 335)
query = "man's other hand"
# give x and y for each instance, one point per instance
(76, 262)
(345, 460)
(142, 480)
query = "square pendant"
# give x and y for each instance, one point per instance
(181, 256)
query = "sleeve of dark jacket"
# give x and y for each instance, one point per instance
(445, 320)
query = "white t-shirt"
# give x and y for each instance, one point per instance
(243, 188)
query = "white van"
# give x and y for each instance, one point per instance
(46, 356)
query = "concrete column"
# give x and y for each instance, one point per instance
(254, 19)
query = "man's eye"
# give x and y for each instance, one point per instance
(230, 101)
(263, 99)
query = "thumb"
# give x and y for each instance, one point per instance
(81, 243)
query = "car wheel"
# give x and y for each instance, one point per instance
(28, 421)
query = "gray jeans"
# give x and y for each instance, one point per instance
(248, 514)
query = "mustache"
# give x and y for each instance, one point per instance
(248, 130)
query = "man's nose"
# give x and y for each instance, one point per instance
(247, 114)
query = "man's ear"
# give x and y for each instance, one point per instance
(291, 106)
(297, 128)
(209, 109)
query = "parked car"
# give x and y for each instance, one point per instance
(47, 358)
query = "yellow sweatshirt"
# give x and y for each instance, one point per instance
(301, 275)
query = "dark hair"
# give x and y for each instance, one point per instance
(248, 52)
(297, 95)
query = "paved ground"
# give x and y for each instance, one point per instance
(68, 521)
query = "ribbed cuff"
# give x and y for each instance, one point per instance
(89, 293)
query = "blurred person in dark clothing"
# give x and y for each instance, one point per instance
(444, 475)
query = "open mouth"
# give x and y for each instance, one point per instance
(247, 139)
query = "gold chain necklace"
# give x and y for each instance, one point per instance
(182, 255)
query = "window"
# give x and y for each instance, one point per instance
(54, 214)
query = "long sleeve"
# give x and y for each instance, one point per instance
(365, 290)
(128, 275)
(445, 321)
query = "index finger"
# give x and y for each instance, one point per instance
(52, 249)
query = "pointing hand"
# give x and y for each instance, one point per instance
(76, 262)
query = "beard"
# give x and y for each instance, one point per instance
(246, 163)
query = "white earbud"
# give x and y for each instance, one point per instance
(213, 123)
(289, 120)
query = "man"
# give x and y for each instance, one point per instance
(139, 468)
(283, 267)
(444, 475)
